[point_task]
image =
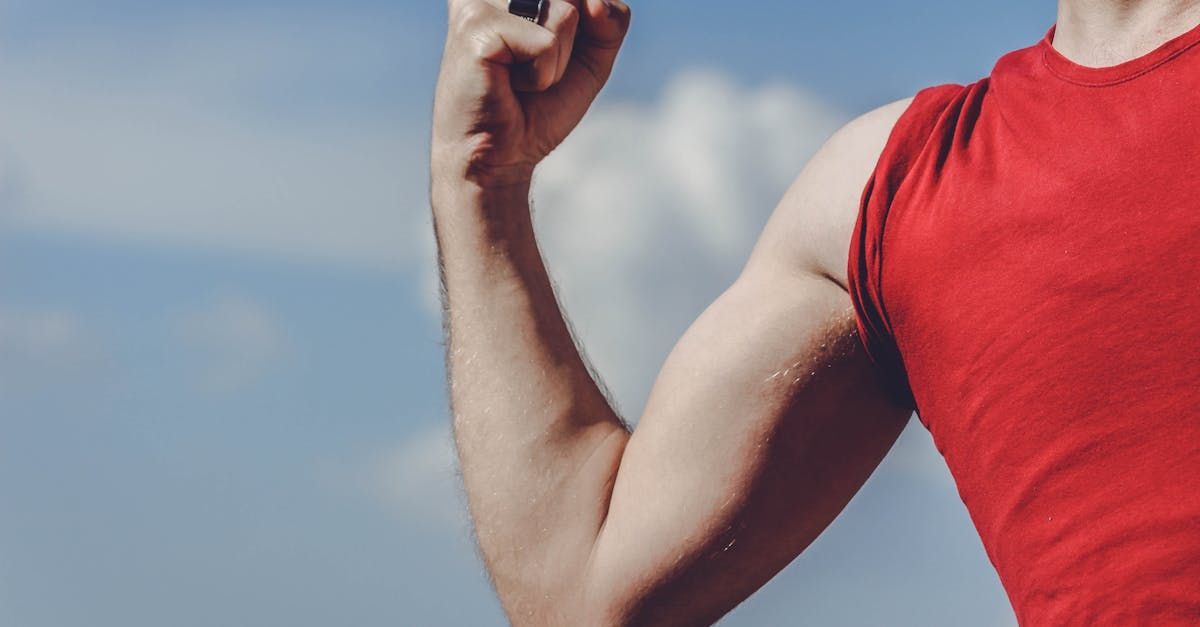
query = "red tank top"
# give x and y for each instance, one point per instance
(1026, 273)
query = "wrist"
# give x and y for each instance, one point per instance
(462, 168)
(454, 198)
(487, 211)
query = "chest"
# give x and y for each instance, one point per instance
(1054, 271)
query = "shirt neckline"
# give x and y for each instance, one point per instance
(1113, 74)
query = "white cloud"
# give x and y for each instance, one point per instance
(45, 335)
(647, 212)
(200, 134)
(164, 137)
(40, 347)
(419, 480)
(237, 338)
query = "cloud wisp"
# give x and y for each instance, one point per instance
(214, 135)
(647, 212)
(46, 348)
(236, 338)
(418, 480)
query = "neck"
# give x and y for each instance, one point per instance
(1100, 33)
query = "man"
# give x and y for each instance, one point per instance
(1033, 297)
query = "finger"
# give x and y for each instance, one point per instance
(603, 26)
(602, 29)
(495, 36)
(562, 18)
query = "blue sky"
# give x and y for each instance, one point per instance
(221, 396)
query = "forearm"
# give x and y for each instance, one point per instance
(538, 443)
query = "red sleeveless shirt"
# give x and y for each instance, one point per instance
(1026, 273)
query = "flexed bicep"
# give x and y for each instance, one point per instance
(766, 419)
(761, 427)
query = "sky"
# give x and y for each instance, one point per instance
(221, 384)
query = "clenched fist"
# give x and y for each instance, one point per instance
(511, 90)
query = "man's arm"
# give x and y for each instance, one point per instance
(764, 421)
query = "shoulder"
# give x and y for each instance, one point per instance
(811, 227)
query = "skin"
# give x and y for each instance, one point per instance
(766, 417)
(1098, 33)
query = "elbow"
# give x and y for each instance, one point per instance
(610, 606)
(570, 605)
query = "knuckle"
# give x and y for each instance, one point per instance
(542, 45)
(550, 44)
(569, 25)
(485, 43)
(570, 13)
(473, 30)
(468, 17)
